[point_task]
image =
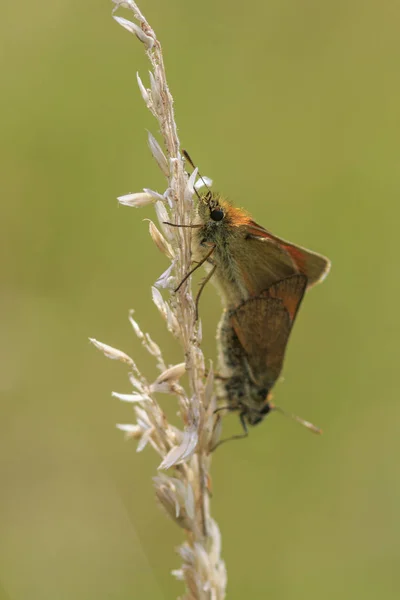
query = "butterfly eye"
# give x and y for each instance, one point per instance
(217, 214)
(265, 409)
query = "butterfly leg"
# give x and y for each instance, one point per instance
(202, 261)
(202, 286)
(234, 437)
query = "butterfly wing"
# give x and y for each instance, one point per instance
(262, 263)
(315, 266)
(263, 325)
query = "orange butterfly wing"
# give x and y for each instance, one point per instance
(315, 266)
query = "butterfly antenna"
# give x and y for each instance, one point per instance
(303, 422)
(187, 157)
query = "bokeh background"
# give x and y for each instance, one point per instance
(293, 109)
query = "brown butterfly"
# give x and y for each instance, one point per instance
(262, 279)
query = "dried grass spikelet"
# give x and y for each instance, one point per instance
(160, 241)
(136, 200)
(183, 480)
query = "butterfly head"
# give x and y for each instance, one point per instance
(215, 212)
(255, 416)
(211, 208)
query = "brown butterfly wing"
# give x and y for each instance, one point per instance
(290, 291)
(263, 325)
(262, 263)
(315, 266)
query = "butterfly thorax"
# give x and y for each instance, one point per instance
(226, 235)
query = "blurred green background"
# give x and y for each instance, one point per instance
(293, 109)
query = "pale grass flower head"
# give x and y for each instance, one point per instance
(183, 481)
